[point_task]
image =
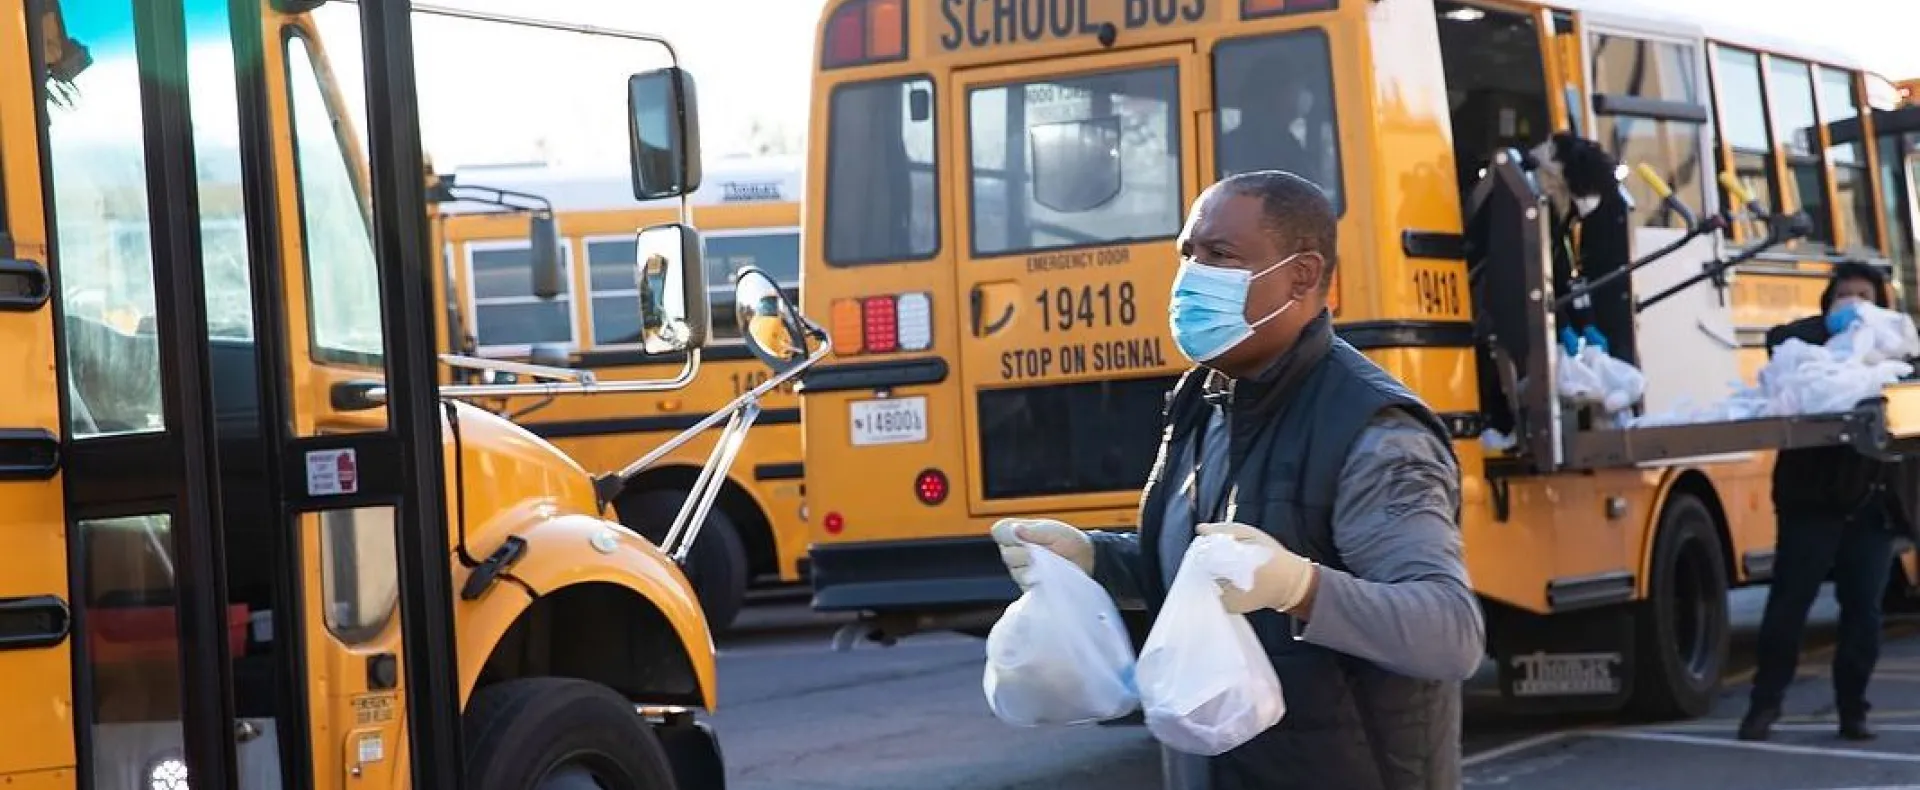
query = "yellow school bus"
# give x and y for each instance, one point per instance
(993, 198)
(247, 542)
(749, 215)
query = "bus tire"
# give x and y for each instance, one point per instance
(1682, 630)
(717, 565)
(560, 734)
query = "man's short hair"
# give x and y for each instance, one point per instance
(1295, 211)
(1857, 270)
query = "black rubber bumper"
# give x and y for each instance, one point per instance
(911, 575)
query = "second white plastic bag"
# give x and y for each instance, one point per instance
(1205, 682)
(1059, 655)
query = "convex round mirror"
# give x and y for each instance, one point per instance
(768, 321)
(675, 315)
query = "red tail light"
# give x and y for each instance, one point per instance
(834, 522)
(931, 487)
(882, 332)
(865, 31)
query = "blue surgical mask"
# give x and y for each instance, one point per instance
(1209, 308)
(1844, 313)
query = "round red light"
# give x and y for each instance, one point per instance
(931, 487)
(834, 522)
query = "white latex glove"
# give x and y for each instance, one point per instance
(1281, 584)
(1013, 535)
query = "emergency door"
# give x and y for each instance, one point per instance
(1075, 179)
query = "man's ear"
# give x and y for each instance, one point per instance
(1313, 270)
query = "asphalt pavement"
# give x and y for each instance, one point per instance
(794, 715)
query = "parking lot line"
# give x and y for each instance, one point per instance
(1758, 746)
(1521, 745)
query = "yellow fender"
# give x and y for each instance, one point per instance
(572, 549)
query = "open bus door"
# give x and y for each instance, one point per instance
(162, 448)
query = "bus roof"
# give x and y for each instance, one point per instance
(728, 181)
(1731, 32)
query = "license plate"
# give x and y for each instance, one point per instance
(889, 421)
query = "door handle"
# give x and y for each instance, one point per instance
(974, 300)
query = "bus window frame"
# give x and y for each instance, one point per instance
(827, 201)
(1786, 160)
(1862, 168)
(1177, 120)
(341, 120)
(1698, 112)
(1212, 57)
(471, 301)
(1726, 152)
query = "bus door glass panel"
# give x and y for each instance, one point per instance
(124, 586)
(354, 548)
(1076, 187)
(126, 564)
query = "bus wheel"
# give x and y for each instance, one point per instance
(1683, 629)
(717, 566)
(560, 734)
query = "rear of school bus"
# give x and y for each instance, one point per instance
(749, 214)
(993, 198)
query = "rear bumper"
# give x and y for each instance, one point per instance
(910, 575)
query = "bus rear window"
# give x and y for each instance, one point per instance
(1078, 161)
(1273, 98)
(881, 202)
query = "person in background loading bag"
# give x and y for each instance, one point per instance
(1832, 505)
(1318, 454)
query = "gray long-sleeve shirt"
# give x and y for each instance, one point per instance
(1406, 605)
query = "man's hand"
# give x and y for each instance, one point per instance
(1013, 535)
(1284, 583)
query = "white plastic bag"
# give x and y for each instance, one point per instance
(1621, 384)
(1206, 683)
(1578, 382)
(1059, 654)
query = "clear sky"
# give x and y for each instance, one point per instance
(751, 59)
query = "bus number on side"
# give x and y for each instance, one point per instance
(1064, 309)
(974, 24)
(1437, 292)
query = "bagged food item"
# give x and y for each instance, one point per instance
(1206, 684)
(1059, 654)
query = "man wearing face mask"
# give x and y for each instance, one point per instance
(1285, 436)
(1833, 512)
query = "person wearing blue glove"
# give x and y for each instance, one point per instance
(1836, 515)
(1283, 435)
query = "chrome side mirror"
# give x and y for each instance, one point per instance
(675, 315)
(768, 321)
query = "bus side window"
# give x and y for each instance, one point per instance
(1662, 117)
(1275, 100)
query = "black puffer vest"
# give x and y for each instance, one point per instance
(1350, 725)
